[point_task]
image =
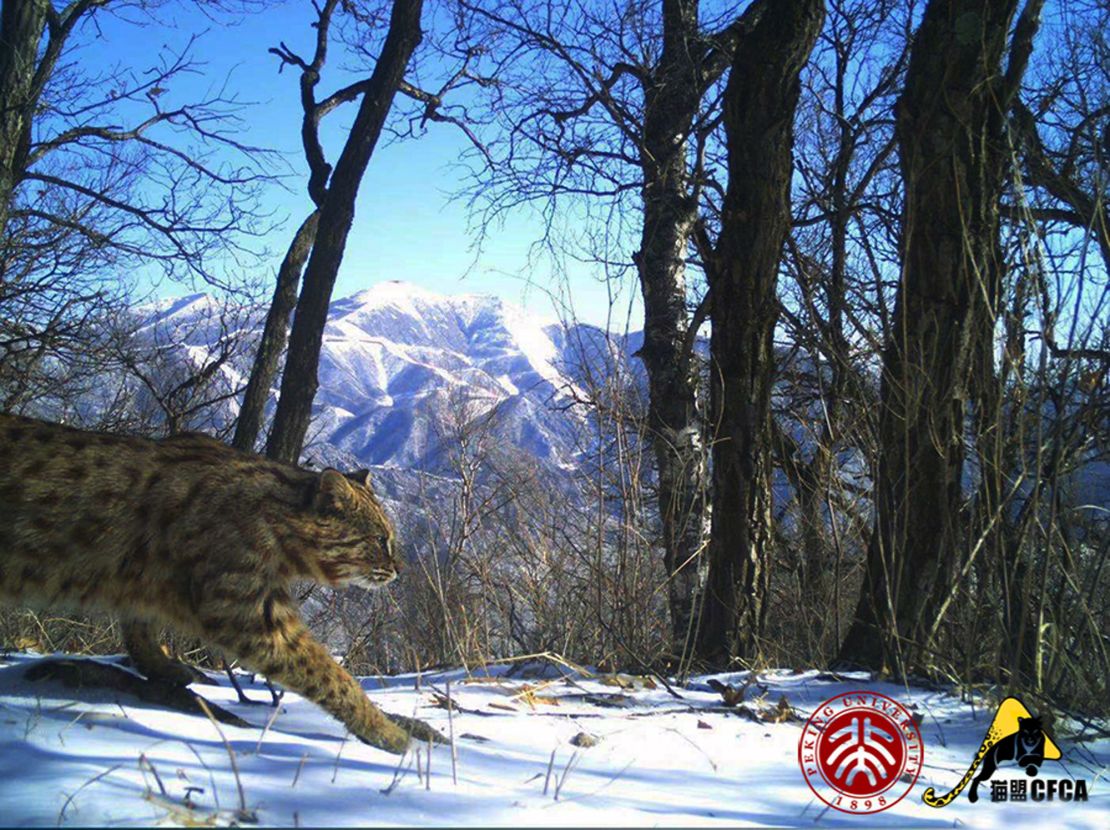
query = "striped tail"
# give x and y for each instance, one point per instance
(930, 796)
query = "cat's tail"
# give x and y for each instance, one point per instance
(933, 800)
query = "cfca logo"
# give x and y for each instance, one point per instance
(1014, 736)
(860, 752)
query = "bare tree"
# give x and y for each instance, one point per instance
(101, 175)
(431, 106)
(271, 342)
(833, 311)
(336, 193)
(181, 370)
(1061, 123)
(951, 121)
(759, 105)
(607, 110)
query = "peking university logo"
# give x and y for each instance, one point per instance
(860, 752)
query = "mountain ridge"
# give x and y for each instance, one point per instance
(401, 366)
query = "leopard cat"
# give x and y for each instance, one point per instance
(190, 533)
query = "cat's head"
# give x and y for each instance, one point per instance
(1030, 726)
(356, 543)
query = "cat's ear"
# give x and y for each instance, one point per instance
(361, 477)
(331, 492)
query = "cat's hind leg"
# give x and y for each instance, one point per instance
(141, 640)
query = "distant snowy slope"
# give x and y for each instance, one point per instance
(405, 371)
(402, 369)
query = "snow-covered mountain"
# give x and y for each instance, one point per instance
(405, 373)
(404, 370)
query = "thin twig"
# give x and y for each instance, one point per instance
(397, 774)
(208, 769)
(157, 778)
(300, 766)
(269, 722)
(335, 767)
(243, 814)
(93, 780)
(64, 729)
(550, 766)
(451, 737)
(613, 778)
(566, 774)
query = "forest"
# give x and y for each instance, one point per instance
(853, 412)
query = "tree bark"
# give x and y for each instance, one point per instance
(299, 380)
(22, 24)
(670, 106)
(759, 106)
(274, 334)
(949, 127)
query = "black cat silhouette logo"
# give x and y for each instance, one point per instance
(1015, 735)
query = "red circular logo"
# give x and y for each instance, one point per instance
(860, 752)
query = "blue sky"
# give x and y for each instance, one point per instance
(407, 225)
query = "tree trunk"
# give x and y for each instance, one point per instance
(949, 129)
(671, 103)
(299, 380)
(673, 412)
(22, 23)
(759, 105)
(274, 333)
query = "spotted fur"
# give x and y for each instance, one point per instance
(190, 533)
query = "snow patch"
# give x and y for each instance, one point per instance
(79, 758)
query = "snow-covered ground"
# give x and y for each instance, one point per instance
(84, 758)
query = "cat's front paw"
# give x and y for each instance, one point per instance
(388, 736)
(419, 730)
